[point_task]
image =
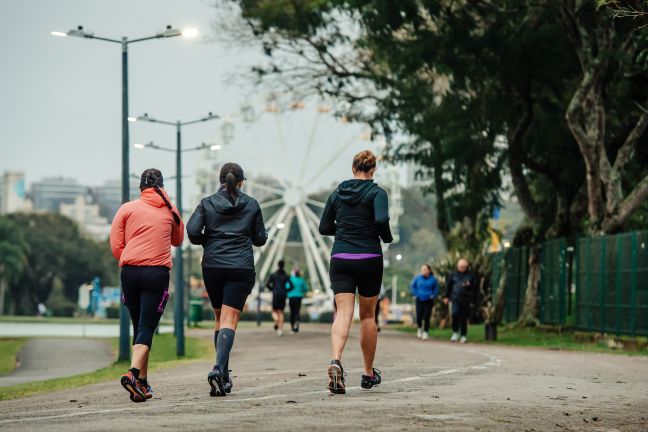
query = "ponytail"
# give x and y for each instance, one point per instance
(176, 218)
(230, 183)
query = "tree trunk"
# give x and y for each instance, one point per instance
(499, 294)
(530, 310)
(3, 290)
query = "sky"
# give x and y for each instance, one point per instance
(61, 97)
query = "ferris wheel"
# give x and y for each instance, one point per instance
(296, 153)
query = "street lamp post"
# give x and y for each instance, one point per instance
(178, 310)
(124, 324)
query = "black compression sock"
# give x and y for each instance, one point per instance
(142, 381)
(224, 343)
(135, 372)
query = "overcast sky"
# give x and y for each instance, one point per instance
(61, 97)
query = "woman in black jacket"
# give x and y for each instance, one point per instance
(227, 224)
(357, 214)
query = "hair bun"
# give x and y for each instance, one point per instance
(364, 161)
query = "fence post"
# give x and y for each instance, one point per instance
(618, 283)
(562, 282)
(633, 284)
(602, 283)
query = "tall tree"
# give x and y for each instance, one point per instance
(13, 256)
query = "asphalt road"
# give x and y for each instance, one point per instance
(280, 385)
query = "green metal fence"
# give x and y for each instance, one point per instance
(517, 269)
(612, 284)
(554, 277)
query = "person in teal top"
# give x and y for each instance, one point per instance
(295, 296)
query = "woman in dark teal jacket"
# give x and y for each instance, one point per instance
(295, 296)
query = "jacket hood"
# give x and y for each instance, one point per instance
(151, 197)
(221, 203)
(353, 191)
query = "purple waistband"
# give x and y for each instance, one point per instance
(352, 256)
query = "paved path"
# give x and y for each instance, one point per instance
(280, 385)
(42, 359)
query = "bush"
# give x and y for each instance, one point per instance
(112, 312)
(326, 317)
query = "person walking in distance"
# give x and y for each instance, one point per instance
(227, 224)
(461, 287)
(295, 296)
(357, 214)
(141, 236)
(424, 288)
(278, 283)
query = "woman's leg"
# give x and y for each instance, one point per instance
(229, 318)
(345, 303)
(427, 314)
(368, 332)
(419, 314)
(155, 284)
(280, 319)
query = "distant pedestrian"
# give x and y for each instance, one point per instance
(424, 288)
(461, 286)
(277, 283)
(295, 296)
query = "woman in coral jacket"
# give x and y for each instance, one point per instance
(141, 237)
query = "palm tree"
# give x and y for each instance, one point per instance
(13, 255)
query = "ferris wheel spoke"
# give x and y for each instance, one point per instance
(317, 237)
(271, 203)
(315, 203)
(272, 222)
(310, 241)
(278, 245)
(326, 165)
(315, 223)
(310, 262)
(265, 187)
(309, 146)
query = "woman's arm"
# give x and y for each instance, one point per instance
(196, 225)
(259, 232)
(327, 222)
(118, 234)
(177, 230)
(381, 216)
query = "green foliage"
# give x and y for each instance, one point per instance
(56, 253)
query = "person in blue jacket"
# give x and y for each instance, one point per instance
(295, 295)
(424, 288)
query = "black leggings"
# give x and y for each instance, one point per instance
(145, 291)
(460, 315)
(295, 308)
(423, 313)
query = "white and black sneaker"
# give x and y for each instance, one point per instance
(369, 382)
(336, 377)
(227, 382)
(216, 382)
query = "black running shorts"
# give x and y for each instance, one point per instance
(278, 302)
(229, 287)
(365, 275)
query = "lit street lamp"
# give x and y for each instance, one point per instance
(124, 324)
(179, 310)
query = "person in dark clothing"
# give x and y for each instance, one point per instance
(278, 282)
(357, 214)
(461, 286)
(424, 288)
(227, 224)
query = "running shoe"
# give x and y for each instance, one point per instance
(227, 382)
(463, 339)
(455, 337)
(215, 380)
(336, 377)
(279, 333)
(132, 386)
(425, 336)
(146, 388)
(369, 382)
(419, 333)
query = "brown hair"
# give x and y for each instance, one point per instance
(231, 174)
(364, 161)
